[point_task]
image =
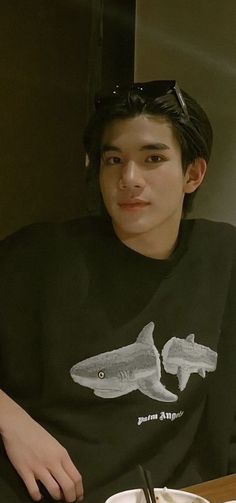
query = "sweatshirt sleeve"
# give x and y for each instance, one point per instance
(227, 402)
(231, 321)
(21, 277)
(220, 426)
(38, 264)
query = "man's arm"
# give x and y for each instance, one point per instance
(36, 455)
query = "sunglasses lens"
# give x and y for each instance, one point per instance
(155, 88)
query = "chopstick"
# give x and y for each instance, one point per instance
(147, 485)
(144, 485)
(150, 486)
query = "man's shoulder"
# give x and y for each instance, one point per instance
(213, 229)
(48, 237)
(55, 230)
(213, 238)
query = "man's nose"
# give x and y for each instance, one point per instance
(131, 176)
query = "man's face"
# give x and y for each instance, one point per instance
(141, 176)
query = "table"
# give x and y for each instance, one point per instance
(217, 490)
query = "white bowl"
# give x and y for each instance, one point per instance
(164, 495)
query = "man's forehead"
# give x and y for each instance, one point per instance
(141, 118)
(147, 132)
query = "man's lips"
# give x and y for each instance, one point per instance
(135, 204)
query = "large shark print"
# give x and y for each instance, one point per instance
(118, 372)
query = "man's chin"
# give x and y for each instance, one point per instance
(130, 228)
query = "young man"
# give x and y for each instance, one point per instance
(118, 333)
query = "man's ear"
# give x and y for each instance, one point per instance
(194, 175)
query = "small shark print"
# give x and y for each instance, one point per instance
(182, 357)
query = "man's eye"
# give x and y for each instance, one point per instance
(154, 158)
(110, 161)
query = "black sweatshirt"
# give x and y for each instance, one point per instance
(123, 358)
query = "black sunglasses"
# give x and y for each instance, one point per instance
(153, 89)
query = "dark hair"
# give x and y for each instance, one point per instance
(194, 133)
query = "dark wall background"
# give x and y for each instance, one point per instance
(54, 55)
(44, 71)
(118, 42)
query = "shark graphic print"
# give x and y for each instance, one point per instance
(184, 357)
(137, 366)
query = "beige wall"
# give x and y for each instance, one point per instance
(194, 42)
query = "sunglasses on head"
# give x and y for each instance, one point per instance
(153, 89)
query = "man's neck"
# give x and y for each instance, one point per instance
(159, 243)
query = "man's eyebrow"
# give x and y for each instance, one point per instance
(148, 146)
(108, 148)
(155, 146)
